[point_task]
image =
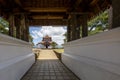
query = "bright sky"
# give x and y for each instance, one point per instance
(55, 32)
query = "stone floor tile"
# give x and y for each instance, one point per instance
(49, 70)
(52, 77)
(46, 77)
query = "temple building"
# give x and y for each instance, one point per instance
(46, 41)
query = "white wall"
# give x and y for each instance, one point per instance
(16, 58)
(95, 57)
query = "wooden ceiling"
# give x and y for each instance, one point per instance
(53, 12)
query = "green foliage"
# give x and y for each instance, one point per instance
(65, 40)
(54, 44)
(4, 25)
(31, 40)
(99, 23)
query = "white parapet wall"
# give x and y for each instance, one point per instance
(95, 57)
(16, 58)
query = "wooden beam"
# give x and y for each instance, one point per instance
(18, 2)
(2, 2)
(47, 17)
(73, 27)
(98, 8)
(78, 13)
(69, 35)
(46, 22)
(34, 9)
(104, 4)
(84, 26)
(77, 3)
(93, 2)
(11, 25)
(27, 30)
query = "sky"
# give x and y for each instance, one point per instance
(56, 33)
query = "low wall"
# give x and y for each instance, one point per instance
(95, 57)
(16, 58)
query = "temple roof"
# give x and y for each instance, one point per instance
(46, 36)
(53, 12)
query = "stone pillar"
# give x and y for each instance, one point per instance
(84, 26)
(116, 13)
(11, 25)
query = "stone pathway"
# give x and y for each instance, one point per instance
(48, 67)
(47, 54)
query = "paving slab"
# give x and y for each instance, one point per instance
(49, 67)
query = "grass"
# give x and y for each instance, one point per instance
(59, 50)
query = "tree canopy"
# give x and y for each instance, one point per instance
(54, 44)
(99, 23)
(4, 26)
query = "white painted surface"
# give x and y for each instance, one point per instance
(95, 57)
(16, 58)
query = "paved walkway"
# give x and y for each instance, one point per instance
(48, 67)
(47, 54)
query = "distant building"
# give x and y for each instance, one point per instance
(46, 42)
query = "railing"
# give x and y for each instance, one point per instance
(16, 58)
(96, 57)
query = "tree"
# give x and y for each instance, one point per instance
(4, 26)
(31, 40)
(54, 44)
(65, 40)
(99, 23)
